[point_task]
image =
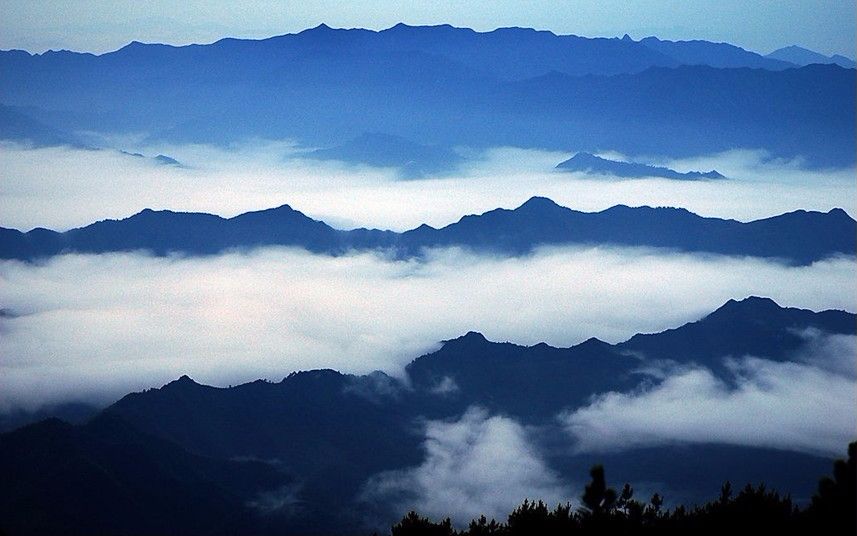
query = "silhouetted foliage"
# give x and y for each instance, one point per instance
(415, 525)
(833, 507)
(597, 498)
(754, 510)
(483, 527)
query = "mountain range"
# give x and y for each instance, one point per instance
(802, 56)
(798, 237)
(410, 159)
(750, 392)
(296, 455)
(596, 165)
(442, 86)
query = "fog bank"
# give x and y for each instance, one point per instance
(102, 325)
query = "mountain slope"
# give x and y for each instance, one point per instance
(330, 430)
(108, 478)
(412, 160)
(15, 125)
(798, 237)
(802, 56)
(755, 326)
(722, 55)
(540, 221)
(327, 434)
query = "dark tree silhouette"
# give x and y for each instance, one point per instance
(536, 518)
(597, 498)
(415, 525)
(483, 527)
(834, 507)
(753, 510)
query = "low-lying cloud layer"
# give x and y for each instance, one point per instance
(477, 465)
(61, 188)
(97, 326)
(808, 405)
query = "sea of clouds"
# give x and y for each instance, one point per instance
(62, 188)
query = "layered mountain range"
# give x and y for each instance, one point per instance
(750, 392)
(798, 237)
(440, 85)
(595, 165)
(298, 454)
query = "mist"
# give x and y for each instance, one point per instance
(97, 326)
(805, 405)
(62, 188)
(476, 465)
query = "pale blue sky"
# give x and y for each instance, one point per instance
(102, 25)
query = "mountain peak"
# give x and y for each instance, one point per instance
(538, 202)
(184, 381)
(284, 210)
(751, 305)
(839, 213)
(593, 342)
(471, 338)
(147, 213)
(803, 56)
(592, 164)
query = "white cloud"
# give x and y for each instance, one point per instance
(807, 406)
(101, 325)
(476, 465)
(62, 188)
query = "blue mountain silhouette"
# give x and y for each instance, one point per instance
(802, 56)
(171, 457)
(412, 160)
(446, 86)
(589, 163)
(798, 237)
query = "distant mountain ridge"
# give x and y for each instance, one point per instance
(295, 455)
(798, 237)
(16, 125)
(802, 56)
(589, 163)
(720, 55)
(445, 86)
(411, 160)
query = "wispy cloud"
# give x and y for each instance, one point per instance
(478, 464)
(806, 405)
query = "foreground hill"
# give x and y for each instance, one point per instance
(169, 460)
(109, 478)
(798, 237)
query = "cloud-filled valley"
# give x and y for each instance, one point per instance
(240, 316)
(475, 465)
(806, 406)
(308, 283)
(61, 188)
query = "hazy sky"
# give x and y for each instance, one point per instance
(101, 25)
